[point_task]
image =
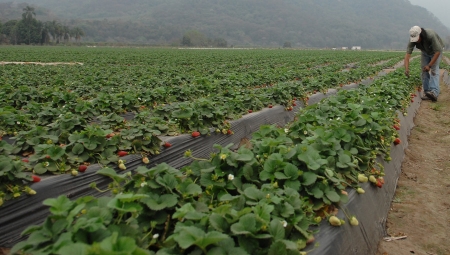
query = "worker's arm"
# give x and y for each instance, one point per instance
(406, 64)
(432, 62)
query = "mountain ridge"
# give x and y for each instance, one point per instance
(383, 24)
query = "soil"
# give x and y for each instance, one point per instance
(420, 210)
(40, 63)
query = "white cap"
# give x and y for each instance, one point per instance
(414, 33)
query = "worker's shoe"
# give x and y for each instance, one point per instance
(431, 95)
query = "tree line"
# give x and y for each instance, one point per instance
(29, 30)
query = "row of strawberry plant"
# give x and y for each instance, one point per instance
(232, 102)
(256, 200)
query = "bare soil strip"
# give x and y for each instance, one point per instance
(419, 219)
(40, 63)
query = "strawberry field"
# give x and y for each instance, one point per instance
(262, 198)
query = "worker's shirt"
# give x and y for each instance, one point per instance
(430, 44)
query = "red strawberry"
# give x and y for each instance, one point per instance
(25, 160)
(36, 178)
(397, 141)
(167, 144)
(250, 111)
(122, 153)
(294, 104)
(195, 134)
(82, 168)
(396, 127)
(229, 132)
(270, 106)
(47, 156)
(379, 184)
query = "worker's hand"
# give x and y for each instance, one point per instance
(426, 68)
(407, 73)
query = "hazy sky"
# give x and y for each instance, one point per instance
(440, 9)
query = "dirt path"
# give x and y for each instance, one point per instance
(40, 63)
(421, 206)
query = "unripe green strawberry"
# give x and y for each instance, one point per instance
(335, 221)
(74, 172)
(1, 201)
(122, 166)
(362, 178)
(31, 192)
(145, 160)
(360, 190)
(372, 179)
(188, 153)
(354, 221)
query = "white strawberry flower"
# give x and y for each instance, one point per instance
(143, 184)
(18, 122)
(284, 223)
(230, 177)
(286, 130)
(305, 132)
(155, 236)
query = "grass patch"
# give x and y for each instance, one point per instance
(436, 107)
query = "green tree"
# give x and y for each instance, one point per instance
(196, 38)
(28, 23)
(10, 31)
(287, 45)
(220, 42)
(186, 41)
(77, 33)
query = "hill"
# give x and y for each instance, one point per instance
(381, 24)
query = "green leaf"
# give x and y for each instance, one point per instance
(293, 184)
(333, 196)
(74, 249)
(183, 211)
(277, 248)
(59, 206)
(317, 192)
(308, 178)
(117, 244)
(111, 173)
(247, 225)
(189, 236)
(183, 113)
(77, 149)
(219, 223)
(168, 180)
(189, 188)
(291, 171)
(157, 203)
(254, 193)
(360, 122)
(310, 157)
(263, 211)
(122, 206)
(40, 169)
(280, 176)
(276, 229)
(56, 152)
